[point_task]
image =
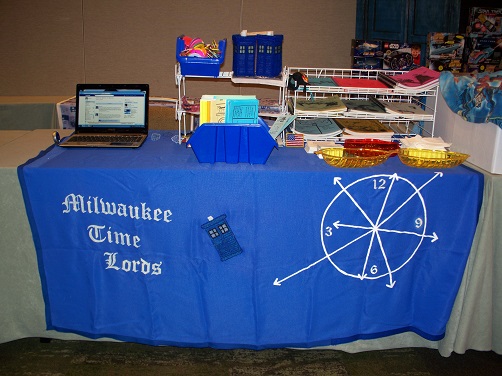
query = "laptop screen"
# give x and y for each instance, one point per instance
(113, 108)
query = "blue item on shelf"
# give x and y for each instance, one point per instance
(200, 66)
(244, 55)
(232, 143)
(269, 55)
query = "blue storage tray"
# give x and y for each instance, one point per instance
(232, 143)
(200, 66)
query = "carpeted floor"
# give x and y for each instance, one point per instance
(32, 357)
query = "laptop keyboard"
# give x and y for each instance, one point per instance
(115, 139)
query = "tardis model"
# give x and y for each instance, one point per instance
(222, 237)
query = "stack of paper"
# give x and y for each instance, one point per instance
(234, 109)
(418, 79)
(402, 108)
(330, 105)
(353, 82)
(428, 143)
(365, 128)
(318, 129)
(358, 107)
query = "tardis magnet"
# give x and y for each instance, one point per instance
(222, 237)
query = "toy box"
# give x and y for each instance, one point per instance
(366, 54)
(366, 63)
(483, 53)
(200, 66)
(445, 46)
(366, 48)
(398, 56)
(483, 21)
(483, 141)
(439, 65)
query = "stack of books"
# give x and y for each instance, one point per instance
(353, 82)
(419, 79)
(363, 107)
(329, 106)
(233, 109)
(364, 128)
(402, 108)
(318, 129)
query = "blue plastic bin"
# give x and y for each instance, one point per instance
(232, 143)
(269, 55)
(200, 66)
(244, 55)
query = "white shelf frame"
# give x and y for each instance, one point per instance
(181, 113)
(427, 99)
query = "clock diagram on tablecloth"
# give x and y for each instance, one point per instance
(373, 227)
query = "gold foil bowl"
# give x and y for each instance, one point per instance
(353, 157)
(431, 158)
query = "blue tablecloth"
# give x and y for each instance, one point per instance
(149, 245)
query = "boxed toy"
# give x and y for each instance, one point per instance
(439, 65)
(445, 46)
(483, 53)
(360, 62)
(484, 21)
(398, 56)
(366, 48)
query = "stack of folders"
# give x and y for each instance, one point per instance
(419, 79)
(365, 128)
(234, 109)
(317, 129)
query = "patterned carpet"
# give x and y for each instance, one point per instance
(32, 357)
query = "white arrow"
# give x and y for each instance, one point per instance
(277, 281)
(434, 236)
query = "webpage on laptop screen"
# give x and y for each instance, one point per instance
(118, 108)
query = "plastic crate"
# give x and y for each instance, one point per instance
(232, 143)
(200, 66)
(244, 55)
(269, 55)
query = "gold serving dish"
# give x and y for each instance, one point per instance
(431, 158)
(353, 157)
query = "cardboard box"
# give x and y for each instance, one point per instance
(483, 53)
(483, 141)
(366, 48)
(445, 46)
(398, 56)
(484, 21)
(66, 111)
(440, 65)
(366, 63)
